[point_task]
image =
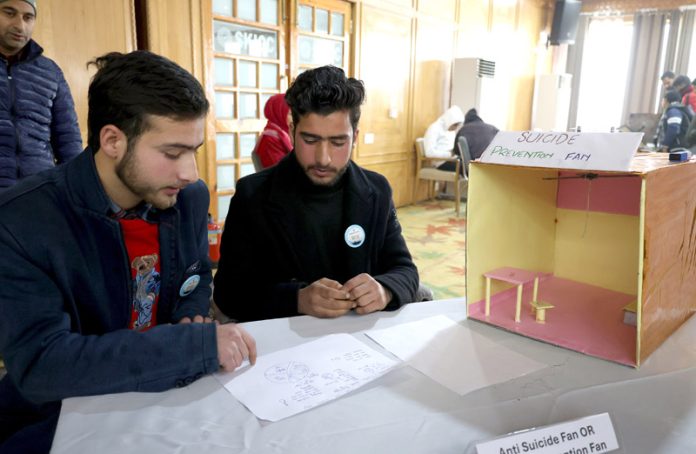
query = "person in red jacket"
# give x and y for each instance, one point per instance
(683, 85)
(274, 142)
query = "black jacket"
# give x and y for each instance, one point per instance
(260, 272)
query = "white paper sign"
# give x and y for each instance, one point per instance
(296, 379)
(588, 435)
(564, 150)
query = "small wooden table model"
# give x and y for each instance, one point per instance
(513, 276)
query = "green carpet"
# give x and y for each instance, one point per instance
(435, 237)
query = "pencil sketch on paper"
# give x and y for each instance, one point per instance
(291, 372)
(289, 381)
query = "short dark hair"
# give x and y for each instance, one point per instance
(673, 96)
(666, 74)
(129, 87)
(680, 82)
(323, 91)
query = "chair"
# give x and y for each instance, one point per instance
(464, 153)
(425, 170)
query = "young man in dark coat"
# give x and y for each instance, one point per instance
(106, 276)
(675, 121)
(316, 234)
(38, 123)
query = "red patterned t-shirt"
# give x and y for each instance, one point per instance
(142, 243)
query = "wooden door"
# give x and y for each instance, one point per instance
(253, 48)
(248, 67)
(321, 35)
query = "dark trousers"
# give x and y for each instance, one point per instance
(450, 166)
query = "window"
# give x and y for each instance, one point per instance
(603, 74)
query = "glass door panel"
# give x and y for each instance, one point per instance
(247, 62)
(321, 37)
(255, 46)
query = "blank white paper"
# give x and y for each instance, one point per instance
(296, 379)
(453, 355)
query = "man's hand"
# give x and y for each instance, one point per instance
(234, 345)
(196, 319)
(324, 298)
(368, 294)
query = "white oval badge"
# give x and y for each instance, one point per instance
(189, 285)
(354, 236)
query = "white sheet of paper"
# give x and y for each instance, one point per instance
(296, 379)
(453, 355)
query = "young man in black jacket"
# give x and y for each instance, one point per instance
(316, 234)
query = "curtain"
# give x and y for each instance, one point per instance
(644, 61)
(686, 30)
(573, 65)
(672, 39)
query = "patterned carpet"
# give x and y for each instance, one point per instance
(435, 237)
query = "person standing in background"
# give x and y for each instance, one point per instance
(683, 85)
(38, 123)
(274, 143)
(674, 123)
(667, 77)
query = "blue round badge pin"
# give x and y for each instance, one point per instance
(354, 236)
(189, 285)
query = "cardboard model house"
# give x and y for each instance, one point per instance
(601, 261)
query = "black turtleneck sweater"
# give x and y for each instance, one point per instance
(320, 218)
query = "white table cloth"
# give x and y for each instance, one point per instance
(653, 409)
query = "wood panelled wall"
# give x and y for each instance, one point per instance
(174, 29)
(74, 32)
(403, 52)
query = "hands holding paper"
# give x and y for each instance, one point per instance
(326, 298)
(234, 346)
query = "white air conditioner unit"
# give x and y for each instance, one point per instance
(551, 105)
(474, 84)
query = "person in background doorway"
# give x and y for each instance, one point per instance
(38, 123)
(274, 143)
(688, 96)
(675, 121)
(667, 77)
(439, 137)
(315, 234)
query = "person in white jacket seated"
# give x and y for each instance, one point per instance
(439, 137)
